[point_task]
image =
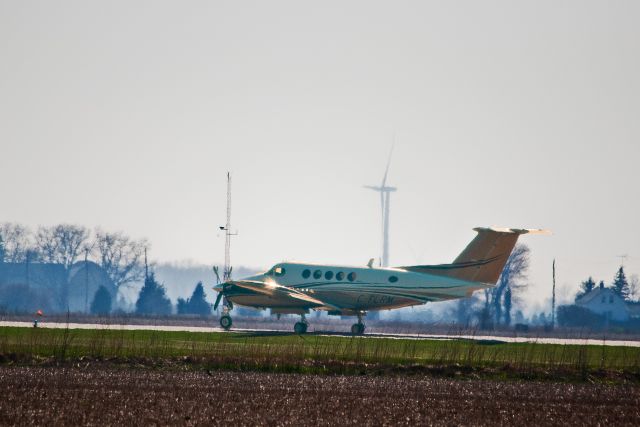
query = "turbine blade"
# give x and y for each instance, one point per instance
(382, 213)
(386, 171)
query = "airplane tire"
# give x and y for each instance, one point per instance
(357, 328)
(226, 322)
(300, 328)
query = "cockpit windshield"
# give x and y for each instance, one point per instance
(277, 271)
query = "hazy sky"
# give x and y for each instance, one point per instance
(127, 114)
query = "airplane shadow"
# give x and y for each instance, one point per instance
(253, 334)
(285, 334)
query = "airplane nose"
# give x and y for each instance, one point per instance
(220, 286)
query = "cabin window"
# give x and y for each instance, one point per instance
(610, 299)
(340, 275)
(279, 271)
(328, 275)
(393, 279)
(603, 298)
(317, 274)
(306, 273)
(351, 276)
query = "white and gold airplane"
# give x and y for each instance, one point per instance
(296, 288)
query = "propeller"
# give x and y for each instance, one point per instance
(218, 298)
(221, 291)
(221, 288)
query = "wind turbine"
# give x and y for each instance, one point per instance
(385, 194)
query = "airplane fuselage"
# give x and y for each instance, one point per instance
(347, 290)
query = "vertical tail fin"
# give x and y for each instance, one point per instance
(484, 258)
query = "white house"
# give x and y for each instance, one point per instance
(605, 302)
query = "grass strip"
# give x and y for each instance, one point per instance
(320, 354)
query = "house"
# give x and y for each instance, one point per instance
(605, 302)
(84, 280)
(28, 285)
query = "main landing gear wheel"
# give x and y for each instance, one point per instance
(226, 322)
(300, 328)
(357, 328)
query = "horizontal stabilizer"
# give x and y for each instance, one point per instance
(515, 230)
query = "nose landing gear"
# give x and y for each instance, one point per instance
(226, 322)
(225, 319)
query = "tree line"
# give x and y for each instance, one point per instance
(121, 257)
(117, 254)
(153, 300)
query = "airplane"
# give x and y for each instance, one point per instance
(297, 288)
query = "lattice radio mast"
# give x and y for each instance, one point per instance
(553, 297)
(226, 274)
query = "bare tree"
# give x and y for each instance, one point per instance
(463, 311)
(61, 244)
(16, 240)
(46, 244)
(484, 314)
(120, 256)
(513, 274)
(507, 306)
(634, 287)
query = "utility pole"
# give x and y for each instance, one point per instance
(27, 261)
(553, 297)
(146, 266)
(86, 280)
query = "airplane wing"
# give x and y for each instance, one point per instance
(279, 291)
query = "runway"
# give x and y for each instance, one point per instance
(480, 338)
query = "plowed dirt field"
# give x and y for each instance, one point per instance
(127, 396)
